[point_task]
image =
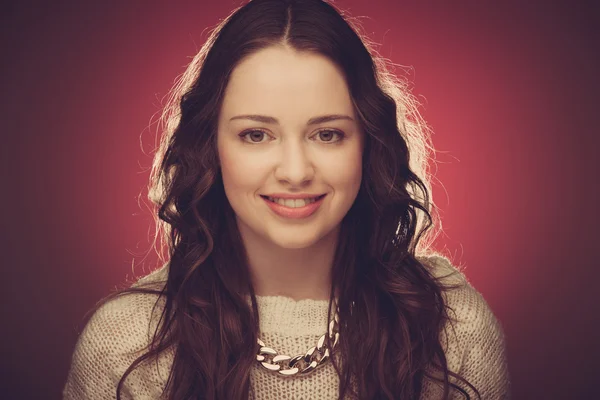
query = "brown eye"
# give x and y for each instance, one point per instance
(327, 135)
(254, 135)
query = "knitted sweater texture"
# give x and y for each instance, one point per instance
(475, 348)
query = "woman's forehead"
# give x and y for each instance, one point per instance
(282, 78)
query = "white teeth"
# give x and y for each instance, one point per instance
(292, 203)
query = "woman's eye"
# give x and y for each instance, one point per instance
(254, 136)
(327, 136)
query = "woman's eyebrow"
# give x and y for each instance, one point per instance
(313, 121)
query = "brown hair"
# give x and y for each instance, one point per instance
(205, 316)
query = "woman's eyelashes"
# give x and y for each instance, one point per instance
(327, 136)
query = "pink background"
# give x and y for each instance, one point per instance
(510, 90)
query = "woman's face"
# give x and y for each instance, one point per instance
(281, 151)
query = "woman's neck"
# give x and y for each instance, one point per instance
(303, 273)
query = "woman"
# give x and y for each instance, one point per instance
(292, 190)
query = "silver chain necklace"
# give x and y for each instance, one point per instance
(316, 356)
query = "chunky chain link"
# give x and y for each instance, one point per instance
(285, 365)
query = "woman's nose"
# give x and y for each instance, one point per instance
(295, 165)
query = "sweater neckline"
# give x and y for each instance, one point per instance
(289, 317)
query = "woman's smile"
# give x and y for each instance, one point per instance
(294, 208)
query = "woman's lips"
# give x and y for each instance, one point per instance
(299, 212)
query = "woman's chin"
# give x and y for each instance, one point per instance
(293, 244)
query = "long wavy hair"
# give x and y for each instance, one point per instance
(390, 343)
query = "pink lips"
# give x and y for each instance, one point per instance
(300, 212)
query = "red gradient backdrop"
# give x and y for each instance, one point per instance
(510, 90)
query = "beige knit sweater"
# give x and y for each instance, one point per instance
(475, 349)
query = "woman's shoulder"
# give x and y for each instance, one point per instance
(126, 318)
(442, 268)
(473, 339)
(466, 304)
(116, 334)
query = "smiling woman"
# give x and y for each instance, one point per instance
(292, 192)
(296, 87)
